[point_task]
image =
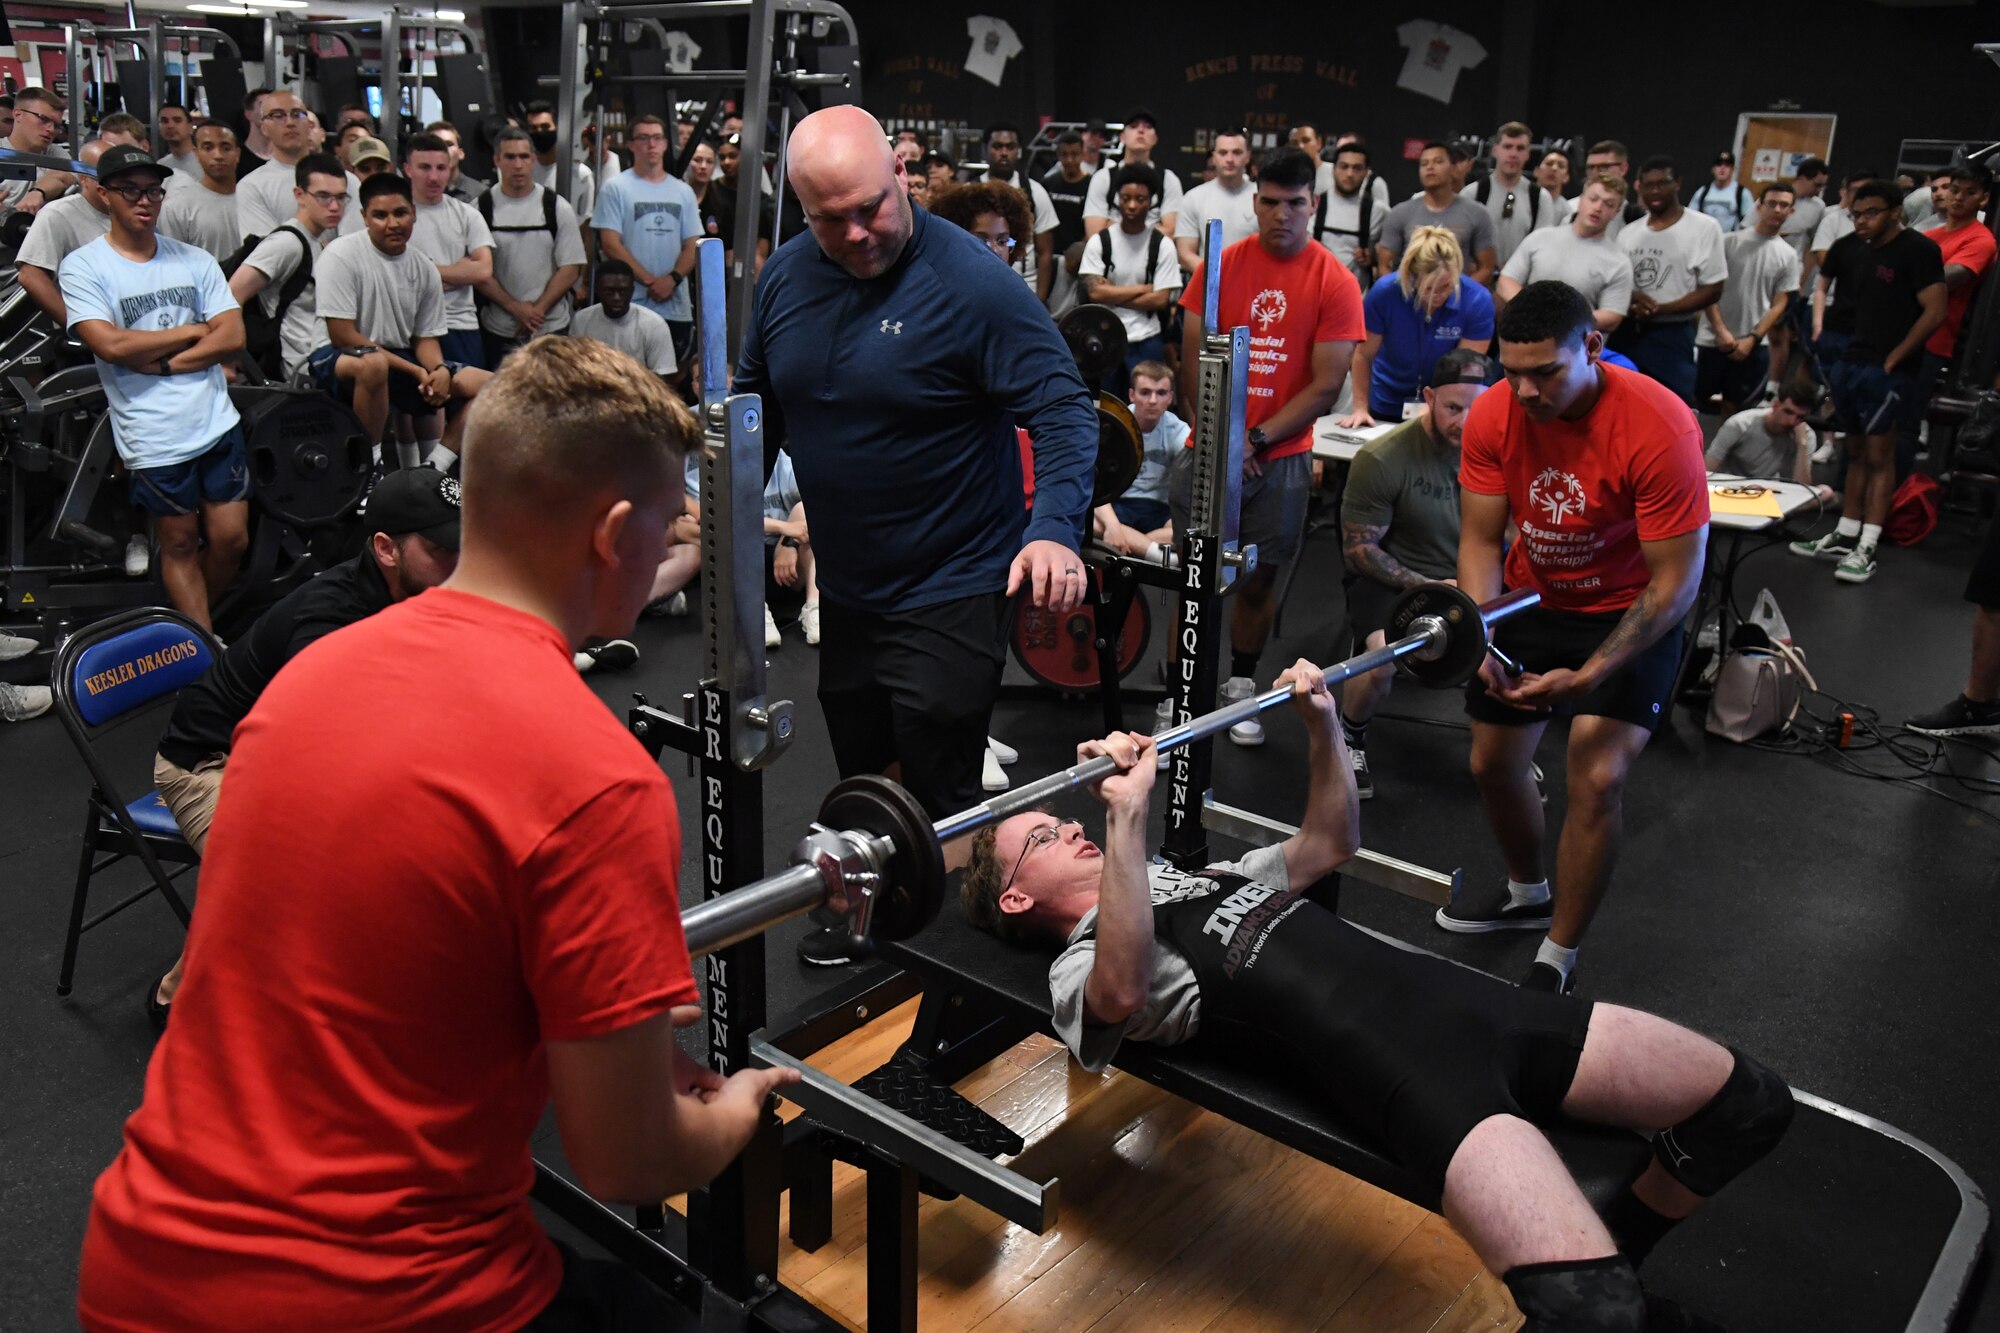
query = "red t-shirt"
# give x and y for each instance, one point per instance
(1971, 246)
(1288, 304)
(1586, 493)
(435, 850)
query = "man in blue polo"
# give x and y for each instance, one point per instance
(896, 356)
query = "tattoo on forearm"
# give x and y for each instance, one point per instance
(1361, 545)
(1641, 625)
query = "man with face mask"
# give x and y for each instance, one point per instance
(541, 125)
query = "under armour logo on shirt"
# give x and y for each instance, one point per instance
(895, 328)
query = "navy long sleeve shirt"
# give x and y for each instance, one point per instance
(897, 399)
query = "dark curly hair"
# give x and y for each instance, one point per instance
(962, 205)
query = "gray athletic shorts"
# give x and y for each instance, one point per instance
(1273, 513)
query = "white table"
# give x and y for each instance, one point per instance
(1339, 444)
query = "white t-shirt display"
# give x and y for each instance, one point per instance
(1669, 263)
(994, 43)
(526, 256)
(1128, 269)
(445, 233)
(1759, 268)
(1237, 208)
(1598, 267)
(641, 333)
(203, 218)
(392, 299)
(1438, 52)
(278, 257)
(1097, 203)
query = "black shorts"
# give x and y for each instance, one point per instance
(1368, 606)
(605, 1296)
(1542, 640)
(1983, 588)
(916, 688)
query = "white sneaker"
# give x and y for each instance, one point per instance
(1823, 454)
(1163, 720)
(138, 556)
(1236, 689)
(15, 646)
(1002, 751)
(809, 621)
(992, 776)
(772, 639)
(18, 703)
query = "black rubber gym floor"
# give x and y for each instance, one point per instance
(1842, 929)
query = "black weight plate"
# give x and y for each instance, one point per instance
(1096, 338)
(1465, 633)
(309, 456)
(914, 890)
(1120, 450)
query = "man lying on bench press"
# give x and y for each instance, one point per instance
(1450, 1069)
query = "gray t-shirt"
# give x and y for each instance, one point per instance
(1804, 221)
(393, 300)
(1465, 219)
(1510, 230)
(1208, 200)
(1669, 263)
(62, 227)
(582, 185)
(264, 199)
(1407, 482)
(1759, 268)
(641, 333)
(445, 233)
(278, 257)
(202, 218)
(1596, 266)
(1341, 232)
(1172, 1011)
(1744, 447)
(524, 260)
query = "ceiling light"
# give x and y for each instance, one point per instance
(238, 11)
(451, 15)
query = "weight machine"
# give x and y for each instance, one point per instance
(90, 53)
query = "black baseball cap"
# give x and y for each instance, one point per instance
(1141, 113)
(416, 499)
(118, 160)
(1095, 126)
(1462, 365)
(1725, 156)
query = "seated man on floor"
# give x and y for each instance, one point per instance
(1473, 1067)
(384, 309)
(1771, 443)
(1139, 522)
(616, 322)
(412, 546)
(1399, 529)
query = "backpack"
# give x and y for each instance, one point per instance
(1742, 200)
(261, 341)
(1367, 210)
(548, 224)
(1485, 185)
(1152, 252)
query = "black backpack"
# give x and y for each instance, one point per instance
(261, 341)
(1367, 210)
(548, 224)
(1152, 253)
(1485, 185)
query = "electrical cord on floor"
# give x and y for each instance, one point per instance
(1840, 735)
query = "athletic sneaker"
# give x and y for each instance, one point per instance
(1249, 732)
(827, 947)
(1548, 977)
(1163, 720)
(138, 556)
(772, 639)
(18, 703)
(809, 622)
(1858, 567)
(991, 776)
(677, 605)
(614, 655)
(14, 646)
(1833, 546)
(1824, 454)
(1960, 717)
(1002, 751)
(1364, 784)
(1482, 912)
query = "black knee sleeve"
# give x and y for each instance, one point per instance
(1579, 1296)
(1740, 1124)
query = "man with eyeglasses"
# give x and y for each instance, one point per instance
(651, 220)
(64, 227)
(202, 211)
(1229, 195)
(1133, 270)
(38, 122)
(1035, 264)
(264, 197)
(1889, 282)
(159, 318)
(1608, 155)
(1517, 204)
(271, 273)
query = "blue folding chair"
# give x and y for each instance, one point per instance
(107, 676)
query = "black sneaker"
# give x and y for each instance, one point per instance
(829, 946)
(157, 1013)
(1960, 717)
(1364, 783)
(615, 655)
(1548, 977)
(1480, 913)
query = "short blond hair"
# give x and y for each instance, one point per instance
(1433, 254)
(566, 420)
(1609, 181)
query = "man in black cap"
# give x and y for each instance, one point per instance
(1724, 198)
(1140, 135)
(1095, 135)
(412, 526)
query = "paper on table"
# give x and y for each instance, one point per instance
(1763, 505)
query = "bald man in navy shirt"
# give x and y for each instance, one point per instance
(896, 356)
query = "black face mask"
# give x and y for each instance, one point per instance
(543, 140)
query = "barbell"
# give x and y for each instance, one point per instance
(875, 858)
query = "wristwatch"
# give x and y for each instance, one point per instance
(792, 542)
(1256, 437)
(164, 365)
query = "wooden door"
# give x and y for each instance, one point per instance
(1770, 145)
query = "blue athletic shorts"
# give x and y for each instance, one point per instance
(218, 475)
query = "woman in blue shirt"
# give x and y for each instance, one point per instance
(1414, 316)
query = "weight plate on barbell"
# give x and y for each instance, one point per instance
(309, 457)
(913, 882)
(1096, 338)
(1121, 450)
(1465, 634)
(1062, 653)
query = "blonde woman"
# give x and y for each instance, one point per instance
(1415, 315)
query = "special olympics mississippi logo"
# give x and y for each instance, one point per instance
(1557, 494)
(1268, 308)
